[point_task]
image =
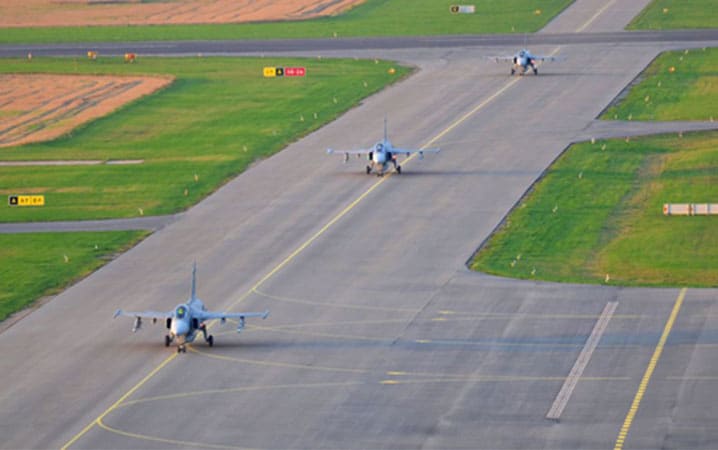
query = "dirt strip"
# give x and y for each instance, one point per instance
(40, 107)
(56, 13)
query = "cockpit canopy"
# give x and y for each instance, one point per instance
(379, 147)
(522, 53)
(181, 311)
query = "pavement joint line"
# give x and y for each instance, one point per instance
(626, 427)
(579, 366)
(294, 254)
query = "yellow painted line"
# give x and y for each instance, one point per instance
(626, 427)
(119, 402)
(258, 362)
(595, 16)
(502, 379)
(183, 395)
(478, 377)
(296, 252)
(694, 378)
(174, 442)
(333, 305)
(243, 389)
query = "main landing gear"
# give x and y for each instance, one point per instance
(208, 338)
(181, 348)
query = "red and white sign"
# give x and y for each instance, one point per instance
(294, 71)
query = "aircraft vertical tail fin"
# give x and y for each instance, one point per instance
(194, 281)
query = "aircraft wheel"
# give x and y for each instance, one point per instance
(210, 340)
(179, 349)
(398, 169)
(368, 170)
(513, 71)
(167, 341)
(535, 71)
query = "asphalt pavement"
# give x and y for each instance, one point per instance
(379, 337)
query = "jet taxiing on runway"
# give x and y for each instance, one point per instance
(188, 318)
(523, 60)
(381, 154)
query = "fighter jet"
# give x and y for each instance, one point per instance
(381, 154)
(523, 60)
(187, 318)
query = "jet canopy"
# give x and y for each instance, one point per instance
(181, 312)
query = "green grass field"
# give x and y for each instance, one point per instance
(34, 265)
(681, 85)
(667, 14)
(218, 117)
(372, 18)
(598, 211)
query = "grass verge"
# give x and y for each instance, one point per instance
(218, 116)
(372, 18)
(680, 85)
(667, 14)
(34, 265)
(596, 217)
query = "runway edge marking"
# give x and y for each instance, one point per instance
(296, 252)
(626, 427)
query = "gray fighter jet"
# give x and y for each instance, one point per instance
(523, 60)
(187, 318)
(381, 154)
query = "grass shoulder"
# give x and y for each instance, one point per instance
(596, 217)
(676, 14)
(677, 85)
(372, 18)
(35, 265)
(216, 118)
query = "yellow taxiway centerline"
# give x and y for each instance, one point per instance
(626, 427)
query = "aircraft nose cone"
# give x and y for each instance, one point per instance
(181, 328)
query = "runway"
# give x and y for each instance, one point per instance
(379, 337)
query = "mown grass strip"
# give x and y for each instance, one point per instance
(211, 123)
(671, 14)
(596, 217)
(40, 264)
(679, 85)
(372, 18)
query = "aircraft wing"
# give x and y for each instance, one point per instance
(363, 151)
(144, 314)
(409, 151)
(502, 58)
(206, 315)
(545, 58)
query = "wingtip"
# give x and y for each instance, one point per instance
(265, 315)
(117, 313)
(329, 151)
